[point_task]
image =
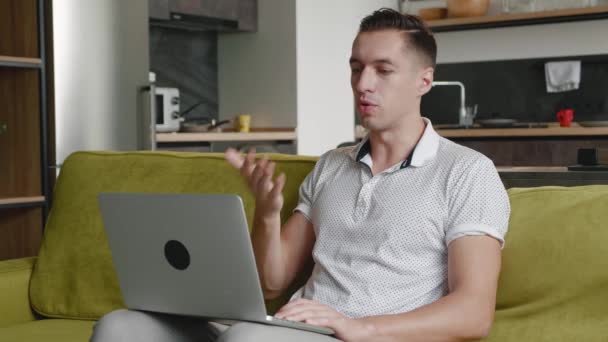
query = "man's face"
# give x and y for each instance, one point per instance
(387, 78)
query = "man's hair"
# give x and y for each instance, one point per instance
(418, 35)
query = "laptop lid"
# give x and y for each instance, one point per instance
(185, 254)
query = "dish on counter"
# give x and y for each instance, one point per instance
(203, 126)
(496, 123)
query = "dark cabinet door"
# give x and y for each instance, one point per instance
(248, 15)
(158, 9)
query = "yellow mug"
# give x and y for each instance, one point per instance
(243, 122)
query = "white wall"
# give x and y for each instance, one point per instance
(294, 71)
(257, 71)
(520, 42)
(325, 31)
(100, 59)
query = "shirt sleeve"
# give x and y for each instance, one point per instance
(479, 204)
(307, 188)
(305, 196)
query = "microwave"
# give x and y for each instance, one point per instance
(168, 117)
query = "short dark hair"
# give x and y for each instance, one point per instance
(419, 36)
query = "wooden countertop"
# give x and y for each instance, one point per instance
(257, 134)
(554, 130)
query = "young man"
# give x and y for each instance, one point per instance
(405, 228)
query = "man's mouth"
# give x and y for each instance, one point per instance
(365, 106)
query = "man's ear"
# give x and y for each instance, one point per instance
(425, 80)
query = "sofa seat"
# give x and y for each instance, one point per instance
(569, 319)
(48, 330)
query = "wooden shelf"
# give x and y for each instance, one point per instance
(20, 62)
(518, 19)
(22, 200)
(226, 136)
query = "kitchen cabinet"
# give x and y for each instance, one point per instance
(533, 151)
(518, 19)
(208, 15)
(24, 120)
(524, 177)
(158, 9)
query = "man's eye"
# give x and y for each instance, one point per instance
(384, 71)
(355, 70)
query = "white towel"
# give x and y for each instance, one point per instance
(562, 76)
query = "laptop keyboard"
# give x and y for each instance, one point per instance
(301, 325)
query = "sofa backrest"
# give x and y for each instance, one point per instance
(74, 276)
(554, 280)
(553, 284)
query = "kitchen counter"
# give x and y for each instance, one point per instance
(553, 130)
(256, 134)
(530, 176)
(532, 169)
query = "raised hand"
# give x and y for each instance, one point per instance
(258, 175)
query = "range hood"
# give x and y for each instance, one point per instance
(205, 15)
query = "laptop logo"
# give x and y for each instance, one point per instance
(177, 255)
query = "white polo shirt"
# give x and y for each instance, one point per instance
(381, 241)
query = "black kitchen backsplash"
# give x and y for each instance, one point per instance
(516, 89)
(187, 60)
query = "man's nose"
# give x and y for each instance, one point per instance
(366, 81)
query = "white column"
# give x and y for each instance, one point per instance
(325, 31)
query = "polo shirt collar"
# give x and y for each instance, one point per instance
(424, 151)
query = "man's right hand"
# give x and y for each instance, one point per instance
(258, 174)
(280, 254)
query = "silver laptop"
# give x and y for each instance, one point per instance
(187, 254)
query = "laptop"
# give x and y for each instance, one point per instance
(187, 254)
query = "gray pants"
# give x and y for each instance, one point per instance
(127, 325)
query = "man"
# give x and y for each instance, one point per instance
(405, 228)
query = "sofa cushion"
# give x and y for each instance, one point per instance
(74, 276)
(14, 279)
(554, 280)
(49, 330)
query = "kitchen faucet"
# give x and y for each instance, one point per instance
(465, 116)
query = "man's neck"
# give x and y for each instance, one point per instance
(389, 147)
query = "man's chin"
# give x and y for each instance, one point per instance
(370, 125)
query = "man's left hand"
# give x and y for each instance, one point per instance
(311, 312)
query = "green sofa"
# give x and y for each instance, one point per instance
(553, 284)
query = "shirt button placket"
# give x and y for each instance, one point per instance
(364, 199)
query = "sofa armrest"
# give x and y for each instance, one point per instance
(14, 291)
